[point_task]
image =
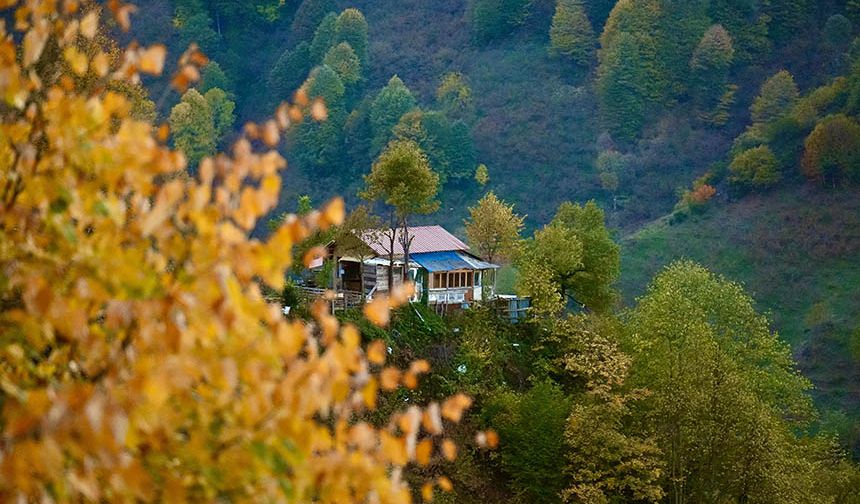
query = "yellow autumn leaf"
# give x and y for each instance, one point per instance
(152, 59)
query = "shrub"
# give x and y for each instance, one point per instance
(756, 167)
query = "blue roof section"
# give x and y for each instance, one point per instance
(449, 261)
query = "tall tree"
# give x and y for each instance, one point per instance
(777, 95)
(387, 108)
(321, 142)
(725, 395)
(576, 255)
(213, 76)
(359, 228)
(308, 17)
(402, 179)
(289, 71)
(351, 27)
(493, 228)
(454, 95)
(193, 127)
(448, 145)
(571, 34)
(343, 60)
(710, 64)
(222, 108)
(324, 38)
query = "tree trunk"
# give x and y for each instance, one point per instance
(405, 242)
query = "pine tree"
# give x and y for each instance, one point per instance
(710, 65)
(324, 38)
(289, 71)
(387, 108)
(308, 17)
(777, 95)
(343, 60)
(351, 27)
(571, 34)
(222, 108)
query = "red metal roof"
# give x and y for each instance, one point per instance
(424, 239)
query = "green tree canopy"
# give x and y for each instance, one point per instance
(324, 38)
(308, 17)
(448, 145)
(725, 394)
(571, 34)
(387, 108)
(777, 95)
(454, 94)
(222, 108)
(575, 255)
(493, 229)
(289, 71)
(756, 167)
(492, 19)
(343, 60)
(402, 179)
(351, 27)
(193, 127)
(213, 76)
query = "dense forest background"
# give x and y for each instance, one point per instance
(723, 131)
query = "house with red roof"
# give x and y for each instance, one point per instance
(443, 268)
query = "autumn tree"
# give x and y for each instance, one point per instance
(351, 27)
(387, 108)
(611, 168)
(193, 127)
(832, 151)
(756, 167)
(775, 99)
(571, 34)
(402, 180)
(141, 361)
(493, 228)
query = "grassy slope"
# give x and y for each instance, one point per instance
(797, 252)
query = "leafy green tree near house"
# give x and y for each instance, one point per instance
(575, 255)
(571, 34)
(493, 229)
(387, 108)
(402, 180)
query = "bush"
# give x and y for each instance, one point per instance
(756, 167)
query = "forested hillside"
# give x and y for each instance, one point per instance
(649, 107)
(669, 186)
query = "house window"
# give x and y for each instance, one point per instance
(477, 279)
